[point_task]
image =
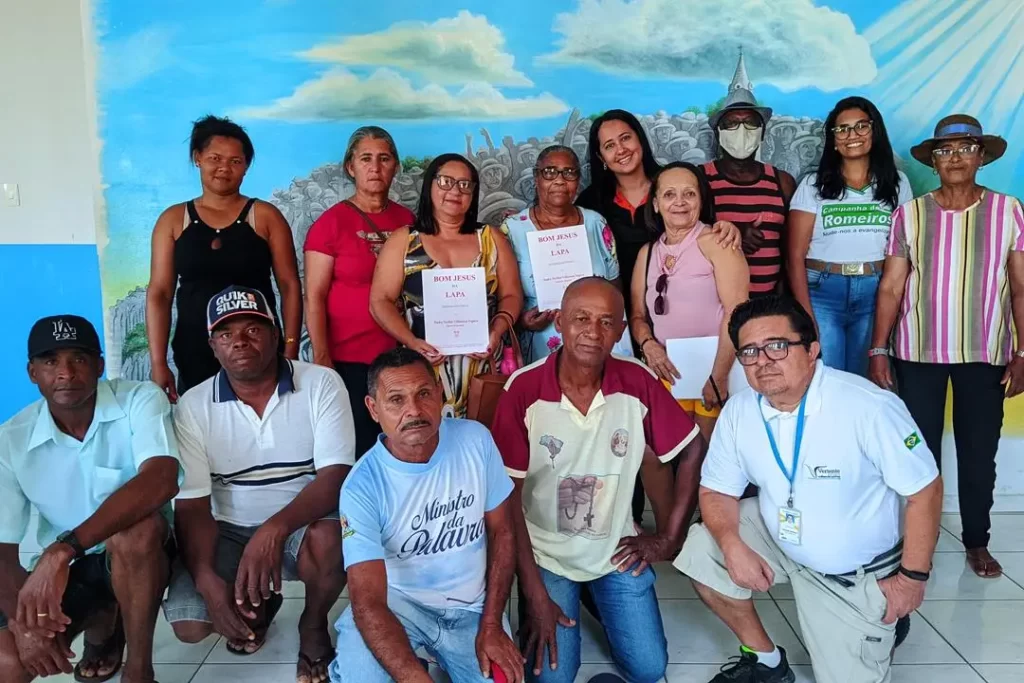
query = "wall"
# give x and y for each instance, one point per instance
(48, 256)
(494, 81)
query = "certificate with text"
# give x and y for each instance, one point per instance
(455, 310)
(559, 258)
(694, 358)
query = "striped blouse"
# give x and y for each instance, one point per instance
(741, 203)
(956, 307)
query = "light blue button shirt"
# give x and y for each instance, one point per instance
(67, 479)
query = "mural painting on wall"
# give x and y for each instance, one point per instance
(499, 84)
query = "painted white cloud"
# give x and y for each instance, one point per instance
(134, 58)
(462, 49)
(386, 96)
(790, 44)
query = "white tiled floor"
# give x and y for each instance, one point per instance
(969, 630)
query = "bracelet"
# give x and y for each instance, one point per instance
(878, 351)
(644, 343)
(290, 340)
(916, 576)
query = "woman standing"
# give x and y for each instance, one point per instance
(839, 224)
(446, 234)
(688, 286)
(621, 168)
(557, 174)
(341, 251)
(952, 285)
(202, 246)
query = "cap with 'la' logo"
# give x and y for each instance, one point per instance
(236, 300)
(58, 332)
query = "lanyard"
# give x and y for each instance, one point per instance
(790, 474)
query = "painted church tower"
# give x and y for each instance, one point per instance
(740, 80)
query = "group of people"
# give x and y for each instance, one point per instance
(359, 466)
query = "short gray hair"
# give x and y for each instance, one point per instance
(556, 149)
(360, 134)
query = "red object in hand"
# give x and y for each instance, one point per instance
(497, 674)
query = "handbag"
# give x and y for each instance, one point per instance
(486, 388)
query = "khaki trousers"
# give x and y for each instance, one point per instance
(841, 627)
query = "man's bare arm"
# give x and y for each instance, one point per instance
(721, 515)
(12, 578)
(379, 627)
(501, 560)
(673, 505)
(921, 527)
(317, 500)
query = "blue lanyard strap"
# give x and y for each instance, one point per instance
(790, 474)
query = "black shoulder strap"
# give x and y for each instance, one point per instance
(193, 215)
(245, 210)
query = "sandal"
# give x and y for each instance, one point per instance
(273, 604)
(311, 665)
(99, 653)
(983, 564)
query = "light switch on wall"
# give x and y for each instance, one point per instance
(11, 195)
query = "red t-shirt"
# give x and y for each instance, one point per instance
(353, 334)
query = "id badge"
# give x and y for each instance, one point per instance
(790, 525)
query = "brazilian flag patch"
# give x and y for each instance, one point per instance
(911, 441)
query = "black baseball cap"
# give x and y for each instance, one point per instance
(236, 300)
(57, 332)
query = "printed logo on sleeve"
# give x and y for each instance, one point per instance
(911, 441)
(346, 530)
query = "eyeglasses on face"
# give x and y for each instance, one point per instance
(735, 124)
(861, 128)
(446, 182)
(963, 150)
(552, 172)
(660, 302)
(777, 349)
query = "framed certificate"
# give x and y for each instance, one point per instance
(559, 257)
(455, 310)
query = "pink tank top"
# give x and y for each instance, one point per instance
(693, 308)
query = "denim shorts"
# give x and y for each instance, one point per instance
(184, 603)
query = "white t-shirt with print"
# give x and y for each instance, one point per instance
(851, 229)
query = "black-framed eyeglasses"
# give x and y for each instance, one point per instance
(963, 150)
(661, 303)
(446, 182)
(776, 349)
(734, 125)
(861, 128)
(552, 172)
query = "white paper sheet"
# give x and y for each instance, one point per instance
(559, 257)
(694, 359)
(455, 310)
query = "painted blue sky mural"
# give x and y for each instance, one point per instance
(301, 74)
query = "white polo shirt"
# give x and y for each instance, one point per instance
(252, 467)
(861, 452)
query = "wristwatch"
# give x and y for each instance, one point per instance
(916, 576)
(877, 351)
(69, 539)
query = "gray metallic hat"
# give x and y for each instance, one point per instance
(740, 98)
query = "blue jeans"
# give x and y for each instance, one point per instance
(844, 306)
(449, 635)
(628, 608)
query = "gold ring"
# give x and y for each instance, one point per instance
(42, 614)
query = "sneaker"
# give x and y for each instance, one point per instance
(902, 630)
(746, 669)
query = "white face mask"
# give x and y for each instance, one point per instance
(740, 143)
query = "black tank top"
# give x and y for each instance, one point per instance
(207, 260)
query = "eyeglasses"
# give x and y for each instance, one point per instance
(661, 303)
(773, 350)
(552, 172)
(734, 125)
(962, 150)
(446, 182)
(861, 128)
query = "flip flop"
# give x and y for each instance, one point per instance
(273, 603)
(101, 652)
(311, 663)
(985, 567)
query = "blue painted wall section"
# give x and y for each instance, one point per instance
(39, 280)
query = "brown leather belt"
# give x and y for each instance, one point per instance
(871, 268)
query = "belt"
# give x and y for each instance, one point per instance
(886, 564)
(869, 268)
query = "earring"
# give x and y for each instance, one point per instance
(604, 165)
